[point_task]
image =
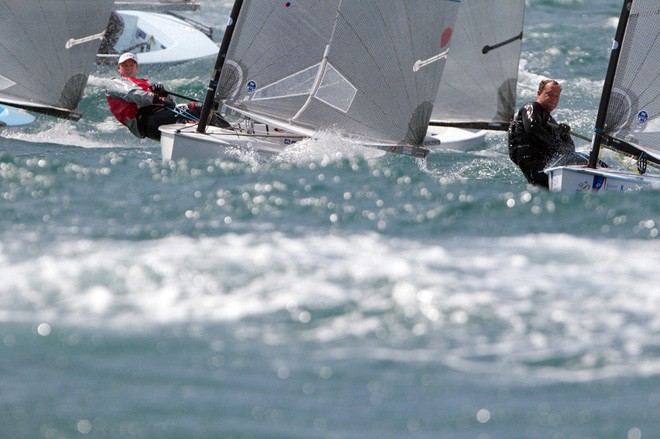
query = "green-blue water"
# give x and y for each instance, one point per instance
(330, 293)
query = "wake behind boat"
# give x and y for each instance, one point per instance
(339, 65)
(628, 119)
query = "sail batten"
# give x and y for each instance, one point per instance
(348, 65)
(47, 49)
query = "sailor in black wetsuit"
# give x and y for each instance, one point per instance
(533, 144)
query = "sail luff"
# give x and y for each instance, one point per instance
(609, 81)
(632, 118)
(209, 101)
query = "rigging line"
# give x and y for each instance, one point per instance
(182, 96)
(624, 160)
(180, 112)
(572, 133)
(488, 48)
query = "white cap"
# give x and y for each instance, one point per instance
(126, 56)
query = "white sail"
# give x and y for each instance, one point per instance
(47, 48)
(633, 113)
(368, 68)
(628, 117)
(478, 87)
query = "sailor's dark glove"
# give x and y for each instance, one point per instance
(158, 89)
(564, 129)
(168, 102)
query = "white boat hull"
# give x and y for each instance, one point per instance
(179, 141)
(574, 179)
(184, 142)
(158, 39)
(458, 139)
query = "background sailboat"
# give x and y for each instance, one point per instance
(478, 87)
(47, 49)
(368, 69)
(628, 119)
(156, 38)
(13, 117)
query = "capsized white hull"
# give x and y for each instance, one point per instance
(458, 139)
(158, 39)
(574, 179)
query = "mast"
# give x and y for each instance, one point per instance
(607, 86)
(217, 70)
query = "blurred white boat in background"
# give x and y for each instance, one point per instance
(13, 117)
(156, 38)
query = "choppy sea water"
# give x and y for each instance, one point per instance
(333, 292)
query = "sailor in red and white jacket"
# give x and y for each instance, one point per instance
(131, 98)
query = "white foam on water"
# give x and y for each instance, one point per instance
(327, 146)
(61, 132)
(547, 306)
(323, 150)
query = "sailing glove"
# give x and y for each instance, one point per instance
(564, 129)
(168, 102)
(158, 89)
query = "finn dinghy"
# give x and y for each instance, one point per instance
(478, 88)
(628, 119)
(366, 69)
(47, 48)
